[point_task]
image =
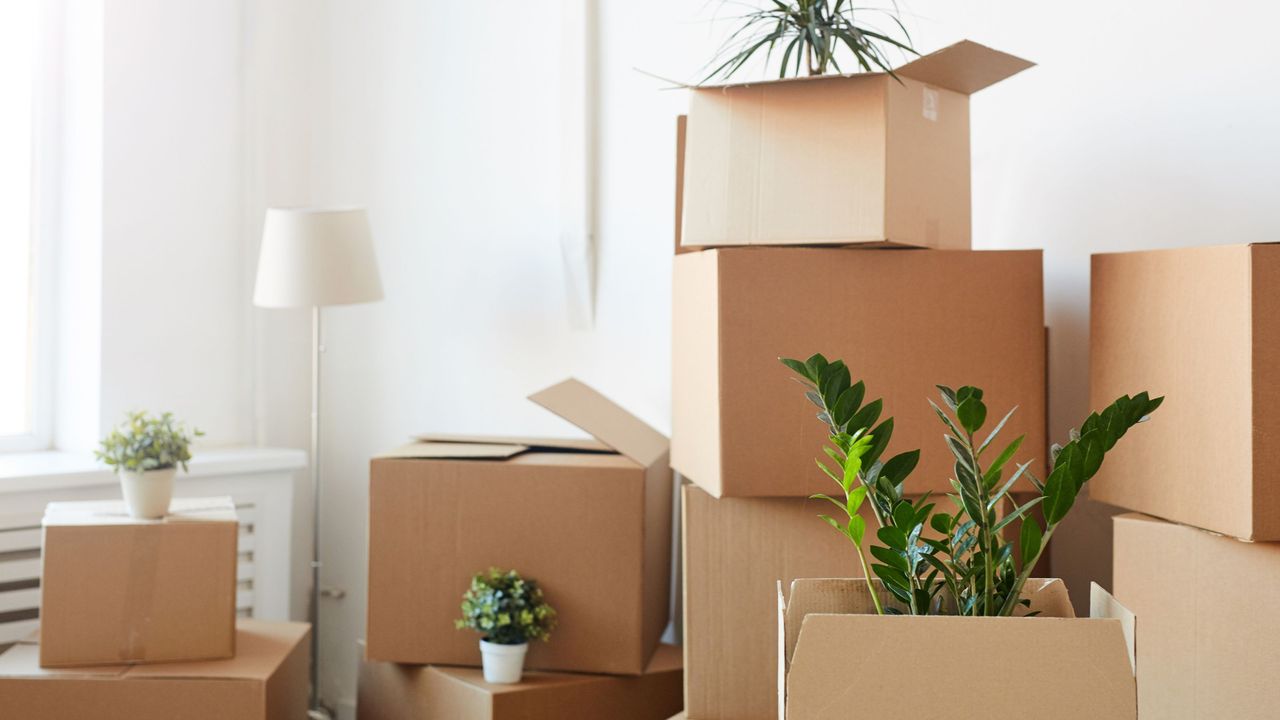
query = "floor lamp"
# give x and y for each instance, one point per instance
(312, 258)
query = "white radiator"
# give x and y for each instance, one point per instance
(259, 480)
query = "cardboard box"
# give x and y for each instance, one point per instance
(426, 692)
(735, 551)
(838, 159)
(1200, 326)
(267, 680)
(1210, 645)
(742, 427)
(589, 520)
(116, 589)
(1054, 666)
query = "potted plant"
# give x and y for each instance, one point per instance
(508, 611)
(958, 561)
(812, 35)
(146, 452)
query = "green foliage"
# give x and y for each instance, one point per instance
(506, 608)
(145, 442)
(815, 33)
(964, 553)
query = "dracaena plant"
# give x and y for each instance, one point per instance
(814, 35)
(951, 562)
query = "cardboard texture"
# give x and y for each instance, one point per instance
(593, 528)
(426, 692)
(735, 551)
(838, 159)
(1200, 326)
(1207, 648)
(119, 590)
(737, 310)
(267, 680)
(826, 627)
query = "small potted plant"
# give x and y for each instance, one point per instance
(146, 452)
(508, 611)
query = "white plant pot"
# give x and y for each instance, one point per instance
(503, 664)
(147, 494)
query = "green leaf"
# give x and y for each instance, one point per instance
(892, 537)
(994, 469)
(946, 420)
(996, 430)
(797, 367)
(904, 517)
(867, 416)
(889, 557)
(832, 522)
(828, 498)
(855, 499)
(857, 529)
(1017, 512)
(948, 396)
(941, 523)
(971, 413)
(815, 364)
(1059, 495)
(1030, 540)
(880, 440)
(898, 467)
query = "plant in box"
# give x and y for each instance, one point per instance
(957, 563)
(969, 568)
(508, 611)
(146, 451)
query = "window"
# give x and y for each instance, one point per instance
(23, 414)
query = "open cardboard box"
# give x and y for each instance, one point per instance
(266, 680)
(590, 520)
(1210, 638)
(838, 159)
(1200, 326)
(836, 657)
(741, 426)
(117, 589)
(390, 691)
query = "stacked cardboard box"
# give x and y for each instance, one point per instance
(590, 520)
(138, 620)
(806, 169)
(1201, 327)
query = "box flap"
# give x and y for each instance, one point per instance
(1103, 605)
(965, 67)
(114, 512)
(533, 443)
(583, 406)
(453, 450)
(261, 647)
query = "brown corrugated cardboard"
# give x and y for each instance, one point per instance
(594, 528)
(1061, 667)
(267, 680)
(735, 551)
(116, 589)
(1209, 646)
(838, 159)
(427, 692)
(1201, 327)
(894, 316)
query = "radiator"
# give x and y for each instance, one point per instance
(260, 481)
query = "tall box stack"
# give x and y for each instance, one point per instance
(590, 520)
(138, 621)
(775, 181)
(1200, 326)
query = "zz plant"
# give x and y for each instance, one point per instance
(933, 561)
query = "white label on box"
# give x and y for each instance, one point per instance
(931, 104)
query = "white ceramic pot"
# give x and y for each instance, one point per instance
(147, 494)
(502, 663)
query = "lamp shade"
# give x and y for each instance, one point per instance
(312, 257)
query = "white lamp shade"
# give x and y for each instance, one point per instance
(314, 257)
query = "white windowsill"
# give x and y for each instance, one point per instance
(54, 469)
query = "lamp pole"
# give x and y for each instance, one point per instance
(317, 710)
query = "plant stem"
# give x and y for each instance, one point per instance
(1015, 593)
(866, 575)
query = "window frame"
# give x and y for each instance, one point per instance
(45, 108)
